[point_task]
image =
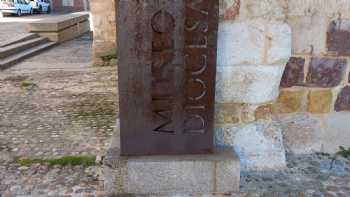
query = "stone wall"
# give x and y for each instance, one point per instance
(303, 42)
(314, 104)
(104, 28)
(253, 49)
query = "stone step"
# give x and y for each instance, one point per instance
(9, 61)
(18, 39)
(19, 47)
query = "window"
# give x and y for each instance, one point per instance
(69, 3)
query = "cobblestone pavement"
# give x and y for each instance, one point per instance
(56, 105)
(65, 108)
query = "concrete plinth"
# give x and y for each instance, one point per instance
(213, 173)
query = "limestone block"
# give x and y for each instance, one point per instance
(248, 83)
(326, 72)
(162, 175)
(241, 43)
(294, 73)
(259, 144)
(264, 112)
(279, 41)
(271, 9)
(232, 113)
(320, 101)
(301, 133)
(343, 100)
(337, 132)
(329, 8)
(253, 42)
(307, 133)
(338, 37)
(57, 23)
(290, 101)
(309, 34)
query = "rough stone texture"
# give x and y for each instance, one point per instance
(309, 34)
(325, 72)
(70, 110)
(338, 37)
(320, 101)
(233, 113)
(336, 133)
(248, 83)
(301, 133)
(254, 42)
(279, 42)
(259, 145)
(264, 112)
(229, 9)
(311, 175)
(228, 113)
(308, 133)
(343, 100)
(241, 43)
(319, 8)
(294, 73)
(213, 173)
(290, 101)
(269, 9)
(104, 28)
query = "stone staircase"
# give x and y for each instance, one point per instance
(21, 47)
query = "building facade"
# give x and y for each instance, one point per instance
(70, 5)
(283, 82)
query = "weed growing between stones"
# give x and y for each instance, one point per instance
(28, 85)
(344, 152)
(64, 161)
(95, 111)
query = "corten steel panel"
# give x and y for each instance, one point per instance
(167, 68)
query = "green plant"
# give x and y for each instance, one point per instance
(344, 152)
(28, 84)
(107, 58)
(64, 161)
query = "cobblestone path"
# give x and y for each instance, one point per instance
(52, 106)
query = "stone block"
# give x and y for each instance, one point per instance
(264, 112)
(279, 42)
(307, 133)
(228, 113)
(290, 101)
(319, 8)
(245, 42)
(301, 133)
(259, 145)
(325, 72)
(320, 101)
(57, 23)
(269, 9)
(241, 43)
(229, 9)
(68, 33)
(309, 34)
(248, 83)
(338, 37)
(337, 132)
(343, 100)
(294, 73)
(165, 175)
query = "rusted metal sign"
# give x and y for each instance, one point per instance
(167, 68)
